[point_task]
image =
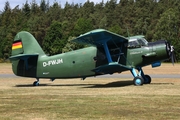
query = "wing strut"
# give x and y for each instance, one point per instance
(107, 51)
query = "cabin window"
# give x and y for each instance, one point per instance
(135, 43)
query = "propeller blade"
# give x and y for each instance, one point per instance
(172, 55)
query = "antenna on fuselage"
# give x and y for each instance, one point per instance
(127, 32)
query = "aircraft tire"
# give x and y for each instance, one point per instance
(147, 79)
(36, 83)
(138, 81)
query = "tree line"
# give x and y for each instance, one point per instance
(54, 26)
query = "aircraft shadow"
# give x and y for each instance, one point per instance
(43, 85)
(108, 85)
(30, 85)
(112, 84)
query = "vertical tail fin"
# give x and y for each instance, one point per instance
(25, 53)
(25, 43)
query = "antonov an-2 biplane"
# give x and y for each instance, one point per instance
(109, 53)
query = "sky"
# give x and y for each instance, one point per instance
(14, 3)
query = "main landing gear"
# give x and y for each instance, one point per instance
(140, 79)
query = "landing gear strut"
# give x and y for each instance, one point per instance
(140, 78)
(36, 83)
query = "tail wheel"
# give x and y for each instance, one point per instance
(36, 83)
(138, 81)
(147, 79)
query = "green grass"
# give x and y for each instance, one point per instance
(94, 98)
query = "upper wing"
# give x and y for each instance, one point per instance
(99, 36)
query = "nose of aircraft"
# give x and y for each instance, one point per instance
(163, 50)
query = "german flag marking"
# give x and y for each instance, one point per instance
(16, 45)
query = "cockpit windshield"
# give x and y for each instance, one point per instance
(137, 42)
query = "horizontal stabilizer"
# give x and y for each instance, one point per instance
(22, 56)
(111, 68)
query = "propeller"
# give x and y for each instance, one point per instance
(172, 55)
(171, 50)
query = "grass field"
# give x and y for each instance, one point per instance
(94, 98)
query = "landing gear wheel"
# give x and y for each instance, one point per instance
(138, 81)
(147, 79)
(36, 83)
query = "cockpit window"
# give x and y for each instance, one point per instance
(138, 42)
(142, 42)
(133, 43)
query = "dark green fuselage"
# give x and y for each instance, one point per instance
(29, 60)
(80, 63)
(73, 64)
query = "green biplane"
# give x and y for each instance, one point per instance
(109, 53)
